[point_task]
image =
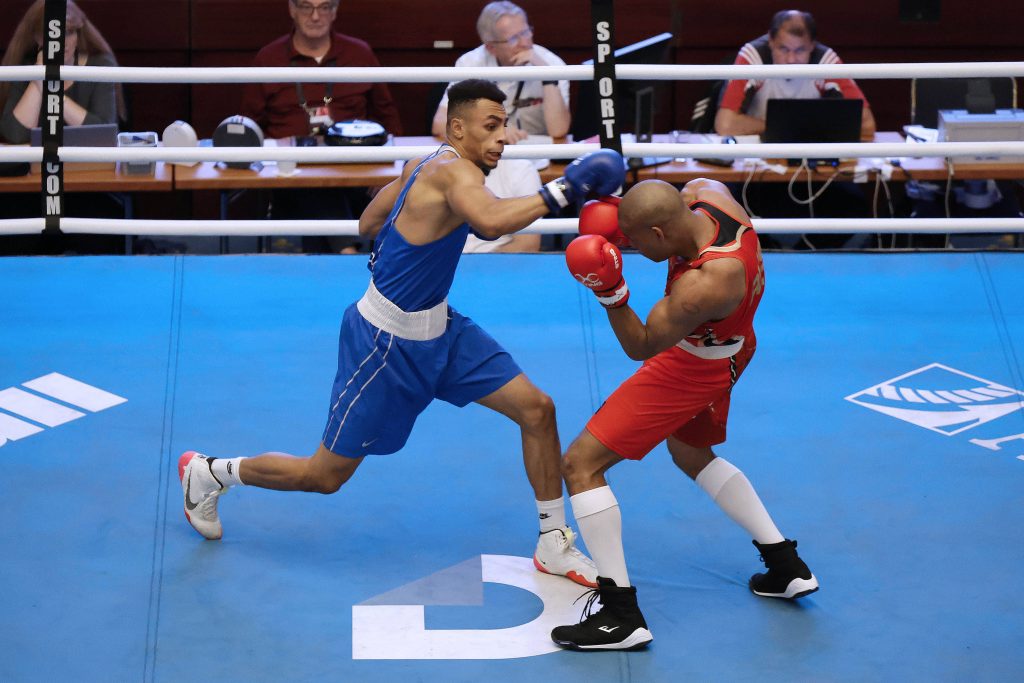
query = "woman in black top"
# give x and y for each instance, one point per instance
(84, 103)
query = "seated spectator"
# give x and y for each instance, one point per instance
(301, 109)
(534, 107)
(84, 103)
(791, 39)
(510, 178)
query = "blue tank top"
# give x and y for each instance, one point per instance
(415, 277)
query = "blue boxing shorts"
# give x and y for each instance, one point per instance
(385, 381)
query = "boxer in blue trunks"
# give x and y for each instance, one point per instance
(401, 345)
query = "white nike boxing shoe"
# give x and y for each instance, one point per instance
(557, 554)
(202, 490)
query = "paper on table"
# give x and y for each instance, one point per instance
(917, 134)
(921, 134)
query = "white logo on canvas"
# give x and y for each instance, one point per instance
(945, 400)
(34, 410)
(376, 621)
(948, 411)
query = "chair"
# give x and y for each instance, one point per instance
(929, 95)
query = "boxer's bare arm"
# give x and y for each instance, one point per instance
(710, 292)
(490, 216)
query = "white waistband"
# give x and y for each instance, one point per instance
(716, 352)
(380, 312)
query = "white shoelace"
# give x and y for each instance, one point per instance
(568, 545)
(207, 508)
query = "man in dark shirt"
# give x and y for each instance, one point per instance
(284, 109)
(303, 109)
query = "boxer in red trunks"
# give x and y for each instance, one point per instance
(695, 344)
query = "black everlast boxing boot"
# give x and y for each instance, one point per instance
(787, 575)
(618, 625)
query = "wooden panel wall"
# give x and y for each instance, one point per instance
(403, 32)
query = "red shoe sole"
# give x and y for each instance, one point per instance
(572, 576)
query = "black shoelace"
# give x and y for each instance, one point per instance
(592, 595)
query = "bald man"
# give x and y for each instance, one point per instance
(695, 344)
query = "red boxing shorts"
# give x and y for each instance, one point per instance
(675, 393)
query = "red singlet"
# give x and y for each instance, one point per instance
(684, 390)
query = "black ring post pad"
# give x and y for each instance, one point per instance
(52, 124)
(53, 204)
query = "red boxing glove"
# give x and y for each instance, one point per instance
(601, 217)
(597, 264)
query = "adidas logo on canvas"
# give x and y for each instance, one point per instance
(32, 409)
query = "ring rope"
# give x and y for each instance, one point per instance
(431, 74)
(545, 226)
(566, 151)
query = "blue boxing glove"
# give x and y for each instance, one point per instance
(602, 172)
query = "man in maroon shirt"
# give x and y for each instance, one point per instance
(302, 109)
(284, 109)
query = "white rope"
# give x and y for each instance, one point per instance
(825, 150)
(546, 226)
(22, 73)
(135, 226)
(431, 74)
(698, 72)
(782, 226)
(389, 153)
(21, 226)
(299, 74)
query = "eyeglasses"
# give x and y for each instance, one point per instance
(307, 9)
(516, 38)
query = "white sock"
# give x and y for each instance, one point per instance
(732, 491)
(597, 513)
(551, 514)
(226, 471)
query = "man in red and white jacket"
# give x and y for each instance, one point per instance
(790, 40)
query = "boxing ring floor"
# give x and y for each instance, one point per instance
(907, 505)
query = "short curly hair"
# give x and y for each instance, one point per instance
(465, 93)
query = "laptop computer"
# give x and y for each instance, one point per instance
(90, 135)
(829, 119)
